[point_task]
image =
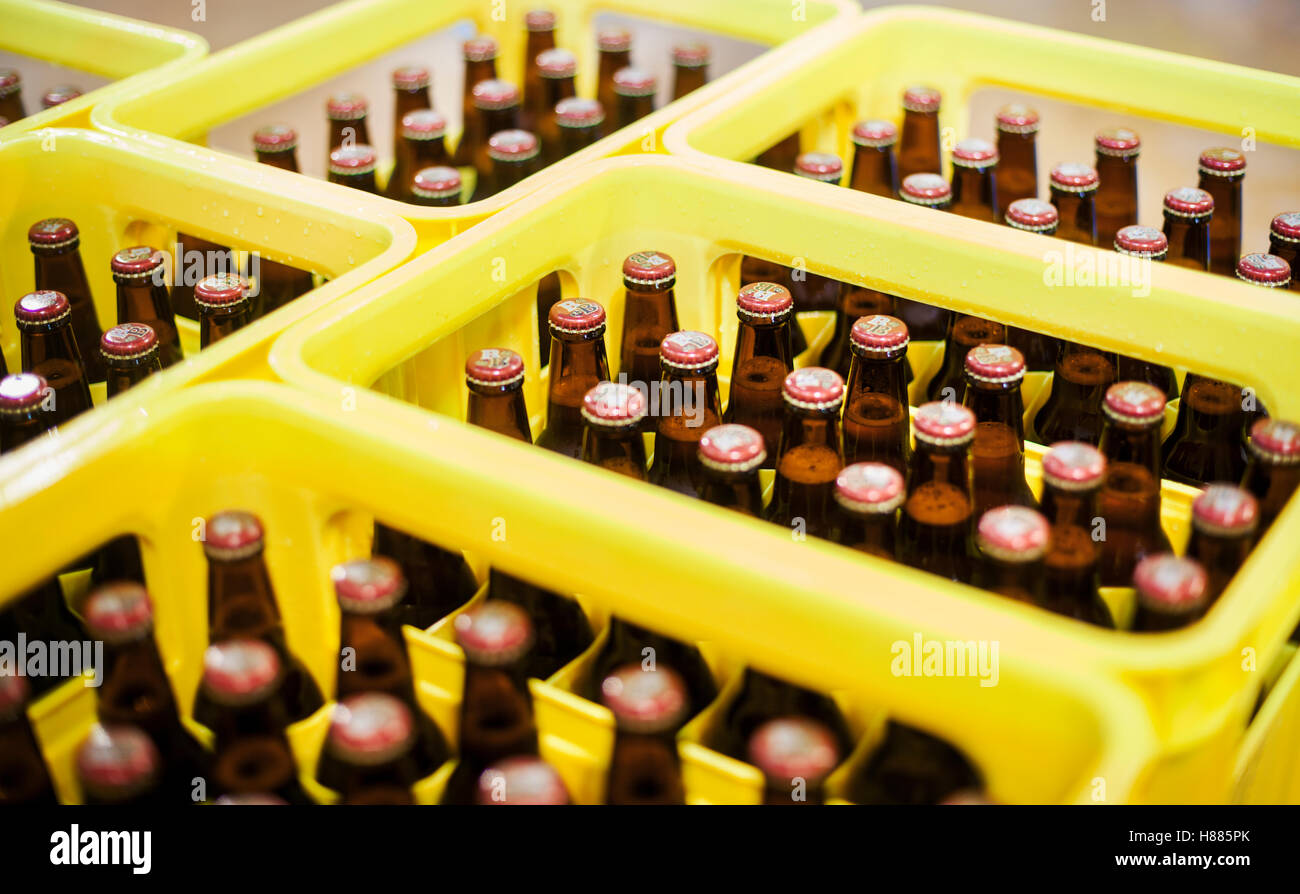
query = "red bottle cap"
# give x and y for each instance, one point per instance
(256, 799)
(10, 80)
(423, 124)
(370, 728)
(495, 94)
(921, 99)
(1170, 585)
(240, 671)
(632, 81)
(1223, 162)
(233, 534)
(645, 701)
(494, 367)
(1119, 142)
(1140, 241)
(925, 189)
(1225, 509)
(693, 54)
(790, 748)
(53, 232)
(557, 63)
(539, 20)
(22, 392)
(578, 111)
(819, 166)
(995, 363)
(1013, 534)
(57, 96)
(613, 404)
(870, 488)
(688, 350)
(436, 182)
(1073, 466)
(875, 133)
(944, 423)
(1076, 178)
(966, 797)
(732, 448)
(1033, 215)
(367, 586)
(128, 341)
(275, 138)
(1275, 440)
(521, 780)
(41, 308)
(1188, 201)
(613, 40)
(813, 388)
(117, 758)
(346, 107)
(1262, 269)
(649, 268)
(763, 302)
(350, 161)
(1017, 118)
(137, 261)
(221, 290)
(494, 632)
(479, 49)
(411, 77)
(576, 316)
(118, 612)
(1286, 226)
(1136, 403)
(13, 693)
(878, 334)
(512, 146)
(974, 153)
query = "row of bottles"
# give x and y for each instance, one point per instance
(12, 107)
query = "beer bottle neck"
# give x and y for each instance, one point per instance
(1189, 241)
(1069, 507)
(1078, 216)
(500, 410)
(55, 345)
(741, 491)
(577, 365)
(1272, 484)
(364, 182)
(918, 144)
(538, 43)
(476, 71)
(946, 464)
(62, 271)
(496, 716)
(999, 402)
(375, 641)
(241, 602)
(508, 173)
(610, 62)
(770, 340)
(131, 669)
(810, 429)
(1214, 409)
(407, 101)
(878, 374)
(875, 171)
(217, 323)
(1137, 444)
(688, 78)
(286, 160)
(868, 532)
(16, 429)
(1220, 554)
(575, 139)
(139, 300)
(633, 108)
(972, 193)
(555, 89)
(427, 153)
(1016, 580)
(124, 374)
(350, 132)
(1018, 156)
(616, 448)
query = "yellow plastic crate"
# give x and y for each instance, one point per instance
(121, 193)
(316, 473)
(272, 67)
(419, 323)
(126, 51)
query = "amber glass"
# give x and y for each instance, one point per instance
(628, 643)
(1222, 553)
(540, 39)
(439, 580)
(1017, 165)
(918, 146)
(554, 89)
(472, 131)
(145, 298)
(49, 350)
(24, 777)
(405, 101)
(1206, 443)
(1129, 500)
(1284, 244)
(196, 259)
(278, 284)
(578, 363)
(649, 314)
(757, 270)
(855, 302)
(1225, 225)
(964, 333)
(616, 448)
(875, 170)
(1078, 215)
(216, 323)
(59, 269)
(1272, 477)
(499, 407)
(760, 364)
(935, 526)
(911, 767)
(763, 697)
(1073, 411)
(808, 461)
(612, 59)
(998, 451)
(42, 615)
(679, 423)
(127, 372)
(1117, 195)
(974, 192)
(1189, 241)
(781, 156)
(876, 421)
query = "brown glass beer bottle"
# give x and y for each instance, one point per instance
(912, 767)
(690, 67)
(55, 243)
(1171, 593)
(438, 187)
(514, 155)
(131, 355)
(522, 780)
(1117, 194)
(578, 364)
(1145, 243)
(480, 54)
(918, 149)
(42, 614)
(118, 765)
(540, 26)
(354, 166)
(935, 527)
(424, 140)
(11, 95)
(1012, 542)
(24, 778)
(1273, 471)
(759, 270)
(1222, 171)
(809, 457)
(875, 422)
(370, 754)
(634, 95)
(649, 706)
(1224, 521)
(495, 379)
(1267, 270)
(496, 104)
(925, 322)
(993, 377)
(277, 145)
(439, 581)
(195, 260)
(57, 96)
(763, 697)
(577, 122)
(143, 297)
(781, 156)
(1072, 476)
(557, 70)
(875, 169)
(964, 334)
(1073, 409)
(628, 643)
(796, 754)
(1017, 126)
(25, 410)
(812, 291)
(1032, 216)
(761, 362)
(1284, 242)
(687, 406)
(1206, 443)
(347, 114)
(855, 303)
(1187, 226)
(1074, 193)
(410, 94)
(50, 351)
(615, 48)
(649, 314)
(277, 284)
(867, 497)
(224, 306)
(974, 180)
(613, 414)
(730, 457)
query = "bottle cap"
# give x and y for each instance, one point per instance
(790, 748)
(1033, 215)
(479, 49)
(925, 189)
(346, 107)
(1188, 201)
(763, 302)
(350, 161)
(921, 99)
(22, 392)
(1223, 162)
(688, 350)
(613, 40)
(1286, 226)
(233, 534)
(632, 81)
(1142, 242)
(1017, 117)
(494, 367)
(944, 423)
(875, 133)
(819, 166)
(41, 309)
(649, 268)
(576, 316)
(411, 77)
(1169, 585)
(513, 146)
(53, 232)
(813, 388)
(732, 448)
(612, 404)
(136, 262)
(878, 334)
(1073, 466)
(521, 780)
(557, 63)
(645, 701)
(240, 671)
(873, 488)
(539, 20)
(495, 94)
(256, 799)
(494, 633)
(578, 111)
(692, 54)
(1013, 534)
(117, 759)
(995, 364)
(275, 138)
(367, 586)
(974, 153)
(13, 693)
(436, 182)
(1225, 509)
(129, 341)
(1119, 142)
(10, 80)
(966, 797)
(1275, 440)
(1263, 269)
(118, 612)
(1074, 178)
(221, 290)
(57, 96)
(370, 729)
(423, 124)
(1135, 403)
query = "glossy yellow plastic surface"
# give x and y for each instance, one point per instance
(127, 51)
